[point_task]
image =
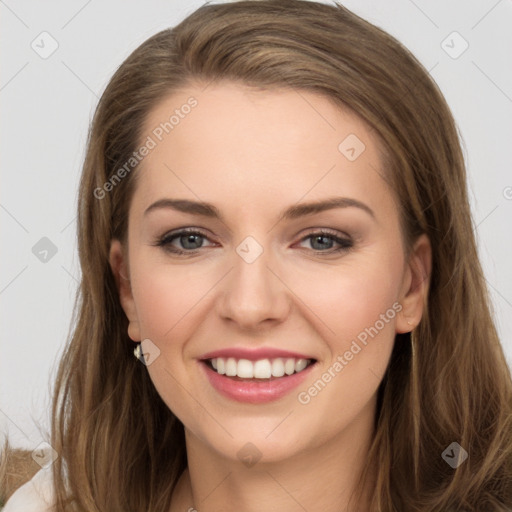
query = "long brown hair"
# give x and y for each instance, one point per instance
(121, 448)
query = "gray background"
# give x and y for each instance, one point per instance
(47, 104)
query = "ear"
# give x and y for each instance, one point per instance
(415, 287)
(118, 260)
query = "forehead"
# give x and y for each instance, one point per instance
(229, 140)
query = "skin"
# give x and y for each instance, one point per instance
(253, 154)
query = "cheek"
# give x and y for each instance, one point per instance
(169, 301)
(359, 305)
(166, 297)
(348, 298)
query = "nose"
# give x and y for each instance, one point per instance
(253, 295)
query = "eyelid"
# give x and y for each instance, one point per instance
(176, 233)
(344, 241)
(328, 231)
(200, 231)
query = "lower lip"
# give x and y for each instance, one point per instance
(255, 391)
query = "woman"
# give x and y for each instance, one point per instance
(273, 207)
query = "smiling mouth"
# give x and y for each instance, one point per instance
(259, 370)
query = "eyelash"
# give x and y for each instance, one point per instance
(345, 243)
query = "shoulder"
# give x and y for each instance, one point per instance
(34, 496)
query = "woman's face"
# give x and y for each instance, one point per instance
(265, 285)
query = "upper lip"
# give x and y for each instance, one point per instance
(253, 354)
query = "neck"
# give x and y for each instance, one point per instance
(321, 478)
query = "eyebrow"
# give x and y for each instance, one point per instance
(293, 212)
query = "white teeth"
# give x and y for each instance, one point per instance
(245, 369)
(300, 365)
(260, 369)
(277, 368)
(231, 367)
(289, 366)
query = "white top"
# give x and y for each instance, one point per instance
(36, 495)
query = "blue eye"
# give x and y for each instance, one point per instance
(324, 240)
(191, 240)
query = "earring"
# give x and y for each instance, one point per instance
(137, 352)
